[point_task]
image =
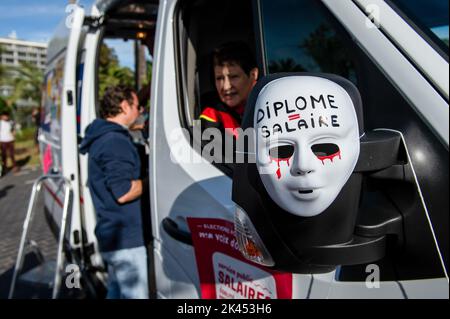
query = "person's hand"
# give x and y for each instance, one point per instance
(134, 192)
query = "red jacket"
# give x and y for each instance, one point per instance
(222, 117)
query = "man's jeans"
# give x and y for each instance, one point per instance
(127, 273)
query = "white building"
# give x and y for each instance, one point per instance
(15, 51)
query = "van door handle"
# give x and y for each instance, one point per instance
(175, 232)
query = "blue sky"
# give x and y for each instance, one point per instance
(35, 20)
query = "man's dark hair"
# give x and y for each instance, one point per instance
(113, 97)
(235, 53)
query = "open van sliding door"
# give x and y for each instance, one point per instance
(87, 115)
(58, 138)
(69, 144)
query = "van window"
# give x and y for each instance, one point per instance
(430, 16)
(298, 37)
(201, 26)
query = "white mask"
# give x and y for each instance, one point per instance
(312, 123)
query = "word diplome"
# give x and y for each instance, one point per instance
(300, 104)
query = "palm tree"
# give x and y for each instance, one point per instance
(320, 43)
(285, 65)
(3, 75)
(27, 83)
(2, 67)
(110, 72)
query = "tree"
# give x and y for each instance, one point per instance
(110, 72)
(3, 106)
(285, 65)
(330, 53)
(3, 68)
(1, 65)
(27, 83)
(141, 65)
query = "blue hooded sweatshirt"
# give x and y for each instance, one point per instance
(113, 163)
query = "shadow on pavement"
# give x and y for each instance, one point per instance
(4, 190)
(31, 260)
(23, 161)
(35, 287)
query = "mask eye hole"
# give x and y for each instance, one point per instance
(325, 149)
(281, 151)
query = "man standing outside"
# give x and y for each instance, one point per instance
(114, 169)
(7, 140)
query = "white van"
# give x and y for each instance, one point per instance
(395, 52)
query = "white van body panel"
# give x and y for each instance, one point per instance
(423, 55)
(356, 290)
(410, 289)
(88, 114)
(426, 289)
(415, 88)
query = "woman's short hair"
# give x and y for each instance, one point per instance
(235, 53)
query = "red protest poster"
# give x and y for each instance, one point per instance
(224, 273)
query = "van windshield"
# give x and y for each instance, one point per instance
(298, 37)
(431, 16)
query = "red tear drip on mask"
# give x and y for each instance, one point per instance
(330, 157)
(278, 160)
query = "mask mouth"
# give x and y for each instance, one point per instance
(306, 194)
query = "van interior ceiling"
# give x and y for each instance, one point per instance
(202, 26)
(133, 20)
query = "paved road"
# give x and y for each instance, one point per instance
(15, 190)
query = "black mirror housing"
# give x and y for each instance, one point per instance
(347, 232)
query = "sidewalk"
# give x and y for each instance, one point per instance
(15, 191)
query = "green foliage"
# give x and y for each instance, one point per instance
(110, 72)
(22, 115)
(3, 69)
(27, 83)
(3, 105)
(26, 134)
(285, 65)
(318, 46)
(320, 43)
(149, 72)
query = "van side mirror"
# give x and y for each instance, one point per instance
(299, 203)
